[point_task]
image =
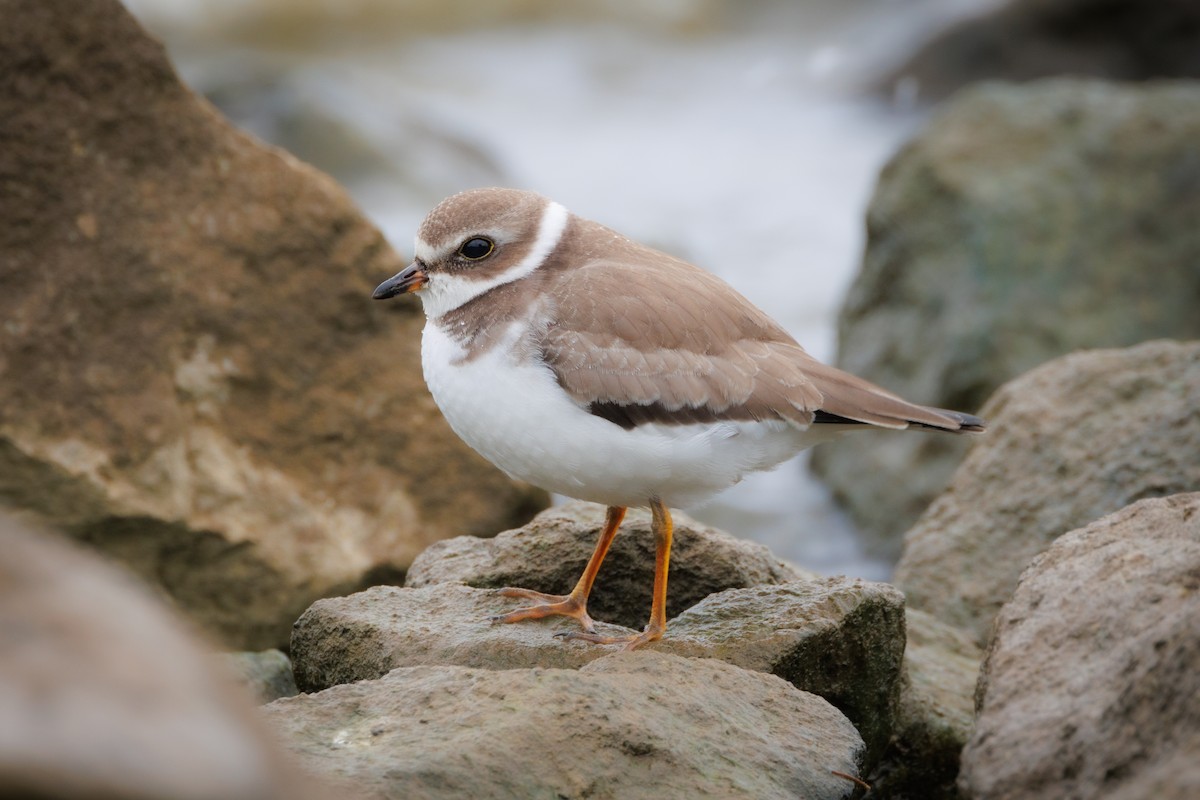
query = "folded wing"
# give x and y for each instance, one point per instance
(704, 356)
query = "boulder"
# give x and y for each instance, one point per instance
(1071, 441)
(1023, 223)
(1174, 777)
(840, 638)
(937, 711)
(629, 725)
(549, 555)
(366, 635)
(1125, 40)
(266, 674)
(1089, 687)
(193, 377)
(106, 693)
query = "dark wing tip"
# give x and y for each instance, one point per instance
(972, 424)
(967, 423)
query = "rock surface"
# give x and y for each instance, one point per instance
(629, 725)
(1071, 441)
(267, 674)
(549, 555)
(840, 638)
(1175, 777)
(937, 711)
(1022, 224)
(1125, 40)
(104, 693)
(365, 635)
(193, 377)
(1090, 684)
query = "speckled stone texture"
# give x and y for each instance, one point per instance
(1090, 687)
(628, 725)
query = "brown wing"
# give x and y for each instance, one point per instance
(632, 351)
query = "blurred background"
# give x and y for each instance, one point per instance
(743, 137)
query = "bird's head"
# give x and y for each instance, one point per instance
(475, 241)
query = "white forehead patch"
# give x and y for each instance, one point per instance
(423, 251)
(446, 292)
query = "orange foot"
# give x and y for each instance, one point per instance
(547, 605)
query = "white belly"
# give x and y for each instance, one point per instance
(510, 409)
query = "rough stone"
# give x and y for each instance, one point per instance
(366, 635)
(629, 725)
(1023, 223)
(1090, 687)
(266, 674)
(840, 638)
(1071, 441)
(549, 555)
(1173, 777)
(1021, 40)
(193, 377)
(104, 693)
(937, 711)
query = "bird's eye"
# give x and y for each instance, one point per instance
(476, 248)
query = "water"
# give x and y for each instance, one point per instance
(749, 150)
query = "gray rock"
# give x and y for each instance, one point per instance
(842, 639)
(937, 711)
(629, 725)
(104, 693)
(267, 674)
(366, 635)
(1071, 441)
(837, 637)
(1022, 224)
(1174, 777)
(193, 376)
(1090, 685)
(1127, 40)
(550, 552)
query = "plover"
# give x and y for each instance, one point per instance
(582, 362)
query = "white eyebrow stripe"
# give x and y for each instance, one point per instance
(447, 292)
(423, 251)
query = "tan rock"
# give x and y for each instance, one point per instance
(267, 674)
(364, 636)
(549, 555)
(936, 715)
(628, 725)
(193, 377)
(1174, 777)
(1089, 687)
(839, 638)
(104, 692)
(1071, 441)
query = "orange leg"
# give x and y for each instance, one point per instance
(663, 530)
(575, 603)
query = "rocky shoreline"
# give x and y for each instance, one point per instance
(197, 457)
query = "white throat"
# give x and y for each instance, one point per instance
(446, 292)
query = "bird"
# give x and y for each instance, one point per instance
(582, 362)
